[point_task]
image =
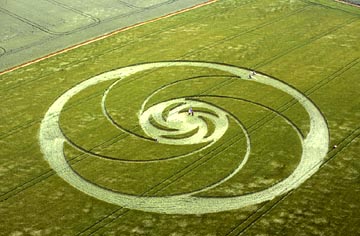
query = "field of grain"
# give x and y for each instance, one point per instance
(99, 140)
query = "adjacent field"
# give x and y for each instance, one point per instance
(312, 46)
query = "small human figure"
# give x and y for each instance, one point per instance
(335, 146)
(253, 72)
(191, 112)
(250, 76)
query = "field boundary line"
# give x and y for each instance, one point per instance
(317, 3)
(208, 2)
(347, 3)
(263, 24)
(129, 42)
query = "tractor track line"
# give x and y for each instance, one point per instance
(345, 142)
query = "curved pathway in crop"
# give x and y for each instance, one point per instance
(178, 128)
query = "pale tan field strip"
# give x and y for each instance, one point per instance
(27, 37)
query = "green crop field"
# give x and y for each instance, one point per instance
(99, 140)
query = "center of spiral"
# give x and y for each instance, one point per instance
(183, 121)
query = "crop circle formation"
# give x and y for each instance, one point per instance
(179, 127)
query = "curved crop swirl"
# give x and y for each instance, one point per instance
(186, 121)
